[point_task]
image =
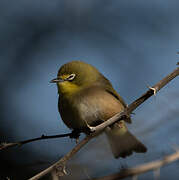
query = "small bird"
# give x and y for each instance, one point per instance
(87, 98)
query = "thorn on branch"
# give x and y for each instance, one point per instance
(43, 136)
(153, 89)
(60, 170)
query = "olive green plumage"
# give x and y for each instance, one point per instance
(87, 97)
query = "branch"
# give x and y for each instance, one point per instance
(59, 166)
(43, 137)
(142, 168)
(127, 111)
(95, 130)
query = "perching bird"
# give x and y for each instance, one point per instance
(86, 97)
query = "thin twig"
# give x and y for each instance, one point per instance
(43, 137)
(154, 165)
(127, 111)
(59, 166)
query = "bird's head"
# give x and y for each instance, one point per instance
(74, 76)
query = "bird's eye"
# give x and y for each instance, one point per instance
(71, 77)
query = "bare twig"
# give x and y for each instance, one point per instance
(59, 166)
(43, 137)
(127, 111)
(142, 168)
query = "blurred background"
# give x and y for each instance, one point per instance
(133, 43)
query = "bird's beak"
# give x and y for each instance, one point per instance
(56, 80)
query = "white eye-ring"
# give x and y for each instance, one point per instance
(71, 77)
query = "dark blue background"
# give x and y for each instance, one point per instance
(133, 43)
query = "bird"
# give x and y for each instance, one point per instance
(87, 98)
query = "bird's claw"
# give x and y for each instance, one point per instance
(75, 134)
(89, 129)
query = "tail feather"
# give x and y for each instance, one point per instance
(122, 142)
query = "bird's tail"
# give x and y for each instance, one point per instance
(122, 142)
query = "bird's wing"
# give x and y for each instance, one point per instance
(116, 95)
(109, 88)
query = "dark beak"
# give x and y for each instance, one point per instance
(56, 80)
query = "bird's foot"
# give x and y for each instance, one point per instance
(75, 134)
(89, 129)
